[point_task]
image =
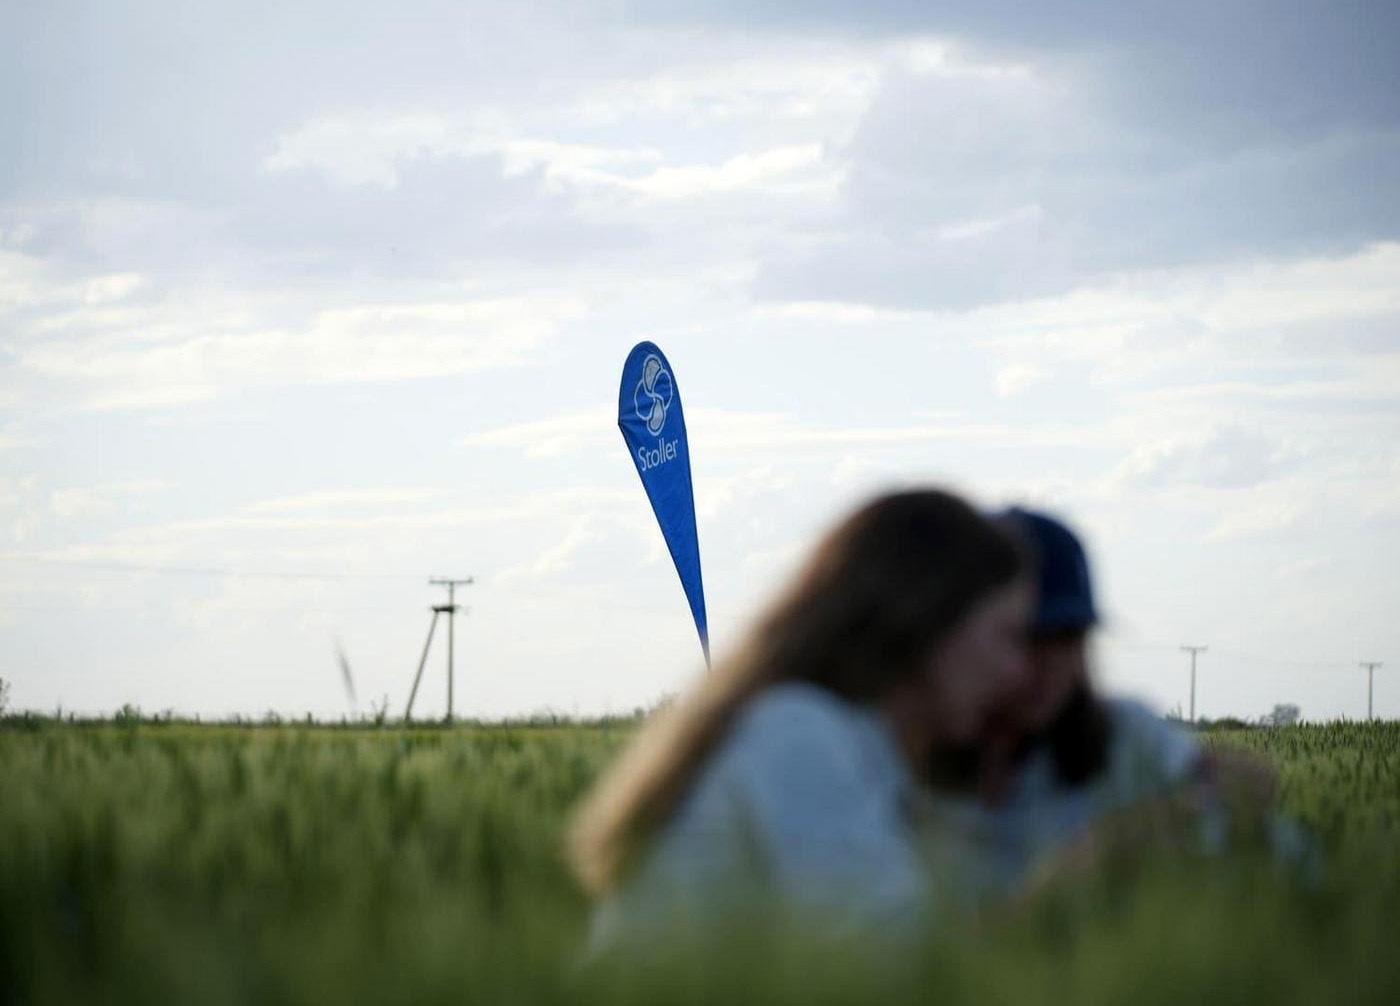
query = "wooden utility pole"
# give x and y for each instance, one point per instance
(1370, 666)
(449, 609)
(1193, 650)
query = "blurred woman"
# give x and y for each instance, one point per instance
(784, 781)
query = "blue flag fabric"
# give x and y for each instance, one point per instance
(650, 417)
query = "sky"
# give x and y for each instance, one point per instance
(303, 304)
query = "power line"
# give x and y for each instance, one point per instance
(566, 597)
(563, 597)
(1281, 661)
(242, 574)
(253, 574)
(1258, 658)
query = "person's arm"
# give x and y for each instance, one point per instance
(1189, 794)
(1238, 778)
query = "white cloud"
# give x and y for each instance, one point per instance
(1338, 290)
(1270, 516)
(1188, 330)
(374, 342)
(737, 431)
(83, 502)
(721, 430)
(21, 279)
(342, 498)
(1011, 381)
(829, 85)
(932, 57)
(21, 506)
(11, 441)
(138, 399)
(373, 151)
(570, 163)
(112, 287)
(838, 312)
(559, 558)
(977, 183)
(550, 437)
(1226, 456)
(363, 150)
(779, 169)
(720, 493)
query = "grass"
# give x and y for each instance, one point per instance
(294, 863)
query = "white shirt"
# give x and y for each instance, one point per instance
(801, 809)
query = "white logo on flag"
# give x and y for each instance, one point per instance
(653, 395)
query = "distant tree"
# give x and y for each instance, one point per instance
(4, 696)
(1229, 723)
(1285, 714)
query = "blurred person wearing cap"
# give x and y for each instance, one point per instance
(1071, 775)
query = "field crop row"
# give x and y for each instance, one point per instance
(295, 864)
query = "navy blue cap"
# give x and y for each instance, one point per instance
(1066, 594)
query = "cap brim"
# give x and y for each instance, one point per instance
(1064, 615)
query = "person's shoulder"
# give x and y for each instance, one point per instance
(797, 722)
(796, 702)
(1134, 713)
(1135, 721)
(1139, 729)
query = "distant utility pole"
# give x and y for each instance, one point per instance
(1370, 666)
(449, 609)
(1193, 650)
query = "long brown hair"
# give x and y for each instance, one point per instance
(863, 615)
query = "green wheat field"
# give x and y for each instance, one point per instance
(166, 862)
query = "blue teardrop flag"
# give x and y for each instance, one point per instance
(650, 417)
